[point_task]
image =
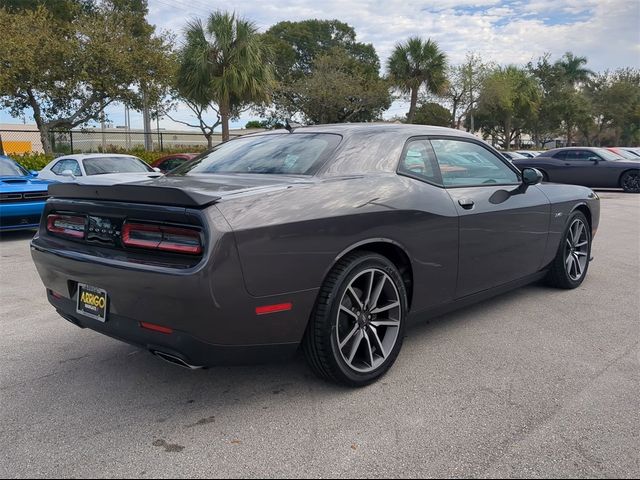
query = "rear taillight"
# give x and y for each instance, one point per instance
(162, 237)
(66, 225)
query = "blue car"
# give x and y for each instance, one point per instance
(22, 196)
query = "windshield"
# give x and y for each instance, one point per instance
(284, 154)
(104, 165)
(8, 168)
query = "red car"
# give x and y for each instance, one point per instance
(169, 162)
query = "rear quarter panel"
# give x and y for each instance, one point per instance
(289, 240)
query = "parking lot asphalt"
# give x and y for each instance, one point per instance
(534, 383)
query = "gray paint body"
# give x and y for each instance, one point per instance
(272, 239)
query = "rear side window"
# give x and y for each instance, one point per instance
(277, 154)
(561, 155)
(67, 164)
(465, 163)
(418, 160)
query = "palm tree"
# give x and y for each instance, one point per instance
(416, 63)
(224, 62)
(574, 69)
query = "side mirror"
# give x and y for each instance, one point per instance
(33, 173)
(68, 173)
(594, 159)
(156, 169)
(531, 176)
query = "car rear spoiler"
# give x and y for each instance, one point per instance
(158, 195)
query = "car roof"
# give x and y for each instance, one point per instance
(84, 156)
(381, 127)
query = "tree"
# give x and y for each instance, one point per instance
(297, 47)
(339, 89)
(414, 64)
(224, 66)
(431, 113)
(66, 73)
(508, 99)
(573, 69)
(463, 86)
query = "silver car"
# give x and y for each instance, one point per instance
(98, 169)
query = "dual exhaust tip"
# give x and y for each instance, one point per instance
(175, 360)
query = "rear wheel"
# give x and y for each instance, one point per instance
(570, 266)
(630, 181)
(357, 327)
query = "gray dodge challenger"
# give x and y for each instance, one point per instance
(331, 237)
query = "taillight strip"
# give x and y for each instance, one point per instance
(162, 237)
(67, 225)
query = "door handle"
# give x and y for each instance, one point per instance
(466, 203)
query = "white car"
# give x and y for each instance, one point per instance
(98, 169)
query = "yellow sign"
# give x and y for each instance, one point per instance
(16, 147)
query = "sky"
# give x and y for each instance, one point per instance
(607, 32)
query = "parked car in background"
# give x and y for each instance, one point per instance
(22, 196)
(512, 155)
(529, 153)
(330, 236)
(169, 162)
(100, 169)
(624, 153)
(588, 166)
(634, 150)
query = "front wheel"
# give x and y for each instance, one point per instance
(570, 266)
(357, 327)
(630, 181)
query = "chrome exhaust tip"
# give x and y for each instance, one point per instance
(167, 357)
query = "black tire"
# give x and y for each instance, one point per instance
(545, 177)
(560, 274)
(630, 181)
(320, 343)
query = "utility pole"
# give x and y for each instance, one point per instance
(146, 117)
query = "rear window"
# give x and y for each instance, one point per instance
(280, 154)
(105, 165)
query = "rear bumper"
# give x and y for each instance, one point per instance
(18, 216)
(211, 315)
(181, 345)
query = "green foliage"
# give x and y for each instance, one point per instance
(67, 72)
(223, 66)
(339, 89)
(301, 54)
(431, 113)
(416, 63)
(33, 161)
(509, 99)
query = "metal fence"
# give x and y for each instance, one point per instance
(18, 141)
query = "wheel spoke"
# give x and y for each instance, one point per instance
(582, 244)
(385, 323)
(346, 310)
(579, 230)
(385, 308)
(367, 302)
(569, 263)
(349, 337)
(580, 254)
(569, 243)
(355, 346)
(376, 292)
(370, 350)
(376, 338)
(355, 297)
(578, 266)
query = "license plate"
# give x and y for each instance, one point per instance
(92, 302)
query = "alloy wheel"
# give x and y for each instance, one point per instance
(631, 182)
(368, 320)
(576, 249)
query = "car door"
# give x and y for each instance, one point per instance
(579, 167)
(503, 227)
